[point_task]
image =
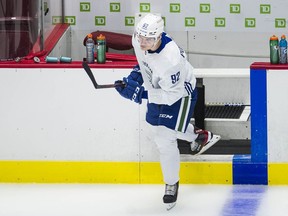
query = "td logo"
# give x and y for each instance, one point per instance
(144, 7)
(174, 8)
(56, 20)
(70, 20)
(129, 21)
(235, 8)
(220, 22)
(205, 8)
(100, 20)
(84, 6)
(190, 21)
(250, 22)
(115, 7)
(265, 9)
(280, 23)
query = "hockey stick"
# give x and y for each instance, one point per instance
(96, 85)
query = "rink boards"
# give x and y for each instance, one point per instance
(209, 172)
(56, 128)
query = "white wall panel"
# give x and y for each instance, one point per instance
(57, 114)
(277, 107)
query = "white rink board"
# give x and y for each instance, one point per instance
(56, 114)
(277, 107)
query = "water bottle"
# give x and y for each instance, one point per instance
(101, 49)
(90, 49)
(283, 50)
(274, 50)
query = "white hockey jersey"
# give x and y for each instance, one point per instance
(167, 74)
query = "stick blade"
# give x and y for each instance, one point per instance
(89, 73)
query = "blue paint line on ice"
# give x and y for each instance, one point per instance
(244, 200)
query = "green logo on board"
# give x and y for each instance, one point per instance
(70, 20)
(84, 6)
(129, 21)
(190, 21)
(235, 8)
(265, 9)
(144, 7)
(280, 23)
(220, 22)
(205, 8)
(175, 8)
(56, 20)
(100, 20)
(250, 22)
(114, 7)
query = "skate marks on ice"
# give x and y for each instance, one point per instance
(81, 199)
(134, 200)
(102, 199)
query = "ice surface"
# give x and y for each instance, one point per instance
(134, 200)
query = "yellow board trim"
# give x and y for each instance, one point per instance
(190, 173)
(68, 172)
(110, 172)
(278, 174)
(206, 173)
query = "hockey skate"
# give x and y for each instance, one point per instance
(204, 141)
(170, 196)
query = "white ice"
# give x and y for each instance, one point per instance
(134, 200)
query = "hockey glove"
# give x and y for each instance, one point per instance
(133, 91)
(136, 75)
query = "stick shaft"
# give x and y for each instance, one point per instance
(89, 73)
(106, 86)
(92, 78)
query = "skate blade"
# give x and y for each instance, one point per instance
(214, 140)
(169, 206)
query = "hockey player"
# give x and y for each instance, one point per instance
(170, 87)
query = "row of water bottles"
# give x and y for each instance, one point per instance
(100, 46)
(278, 50)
